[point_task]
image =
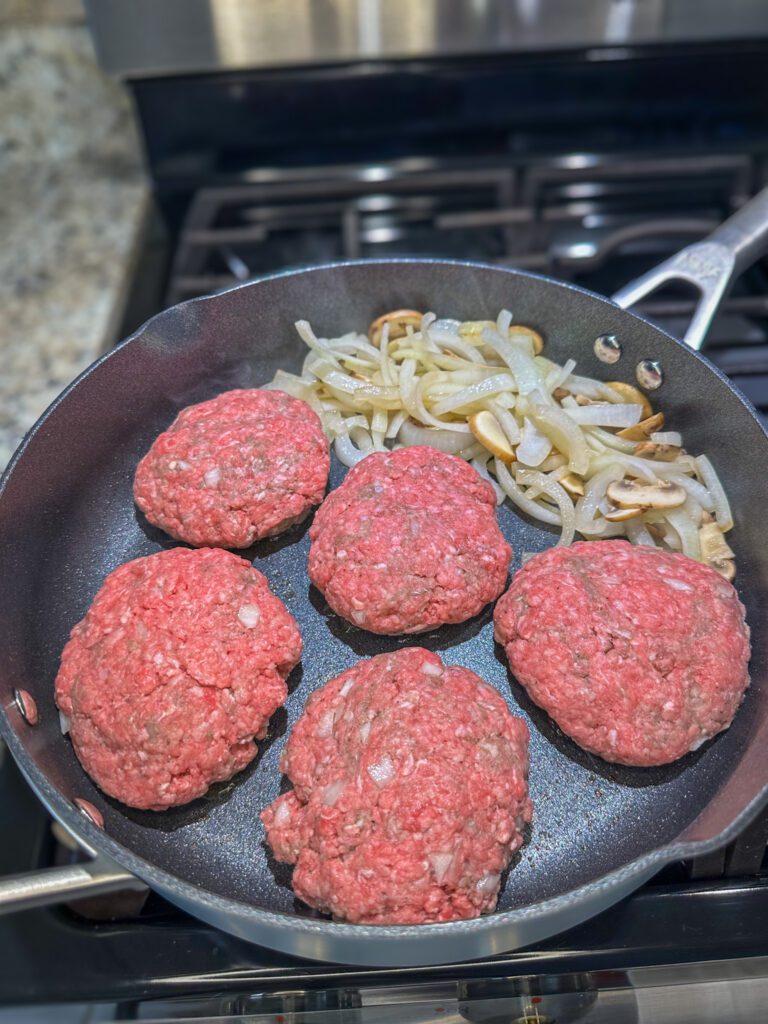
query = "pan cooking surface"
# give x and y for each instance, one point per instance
(69, 519)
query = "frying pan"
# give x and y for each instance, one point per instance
(67, 519)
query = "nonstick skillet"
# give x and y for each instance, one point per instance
(67, 519)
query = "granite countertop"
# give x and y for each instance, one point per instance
(74, 198)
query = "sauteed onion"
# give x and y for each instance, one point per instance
(550, 441)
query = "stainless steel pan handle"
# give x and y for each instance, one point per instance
(58, 885)
(710, 266)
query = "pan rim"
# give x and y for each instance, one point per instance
(96, 839)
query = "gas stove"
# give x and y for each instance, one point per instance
(590, 165)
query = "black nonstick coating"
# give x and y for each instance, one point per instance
(67, 519)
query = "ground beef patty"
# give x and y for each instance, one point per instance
(409, 542)
(173, 672)
(245, 465)
(410, 793)
(639, 655)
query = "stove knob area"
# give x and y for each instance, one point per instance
(543, 1000)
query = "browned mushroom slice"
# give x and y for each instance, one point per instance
(489, 433)
(643, 430)
(658, 452)
(399, 321)
(632, 395)
(637, 494)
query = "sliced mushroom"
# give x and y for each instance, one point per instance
(489, 433)
(726, 567)
(714, 546)
(399, 320)
(658, 452)
(638, 494)
(573, 484)
(620, 515)
(632, 395)
(643, 430)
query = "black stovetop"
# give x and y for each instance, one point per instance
(589, 170)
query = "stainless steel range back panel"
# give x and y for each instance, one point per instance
(145, 37)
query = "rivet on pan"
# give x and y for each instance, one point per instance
(608, 348)
(649, 374)
(92, 813)
(25, 702)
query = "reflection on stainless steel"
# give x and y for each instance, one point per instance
(733, 991)
(145, 37)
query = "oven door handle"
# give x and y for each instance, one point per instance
(59, 885)
(710, 266)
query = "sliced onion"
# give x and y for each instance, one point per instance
(546, 485)
(506, 420)
(518, 496)
(534, 445)
(608, 440)
(64, 723)
(346, 452)
(448, 441)
(480, 467)
(606, 415)
(681, 522)
(561, 429)
(522, 365)
(558, 375)
(467, 396)
(589, 388)
(712, 483)
(408, 392)
(668, 437)
(638, 533)
(696, 490)
(587, 505)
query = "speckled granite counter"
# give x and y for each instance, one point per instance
(72, 204)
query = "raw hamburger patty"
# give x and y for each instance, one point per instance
(639, 655)
(245, 465)
(173, 672)
(410, 793)
(409, 542)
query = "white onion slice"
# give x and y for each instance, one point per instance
(605, 415)
(587, 505)
(668, 437)
(534, 446)
(522, 365)
(448, 441)
(639, 533)
(712, 483)
(562, 430)
(696, 490)
(467, 396)
(346, 452)
(687, 531)
(546, 485)
(480, 466)
(518, 496)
